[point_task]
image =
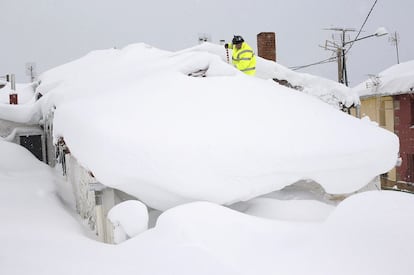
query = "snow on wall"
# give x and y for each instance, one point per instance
(93, 201)
(85, 196)
(128, 219)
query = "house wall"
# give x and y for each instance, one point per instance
(93, 200)
(380, 110)
(29, 136)
(49, 143)
(404, 128)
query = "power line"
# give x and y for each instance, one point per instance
(363, 24)
(331, 59)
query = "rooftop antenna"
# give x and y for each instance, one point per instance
(204, 37)
(31, 70)
(395, 39)
(375, 81)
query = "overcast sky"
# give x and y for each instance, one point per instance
(53, 32)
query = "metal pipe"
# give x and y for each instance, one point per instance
(13, 82)
(344, 72)
(358, 111)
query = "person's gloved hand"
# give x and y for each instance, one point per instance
(226, 46)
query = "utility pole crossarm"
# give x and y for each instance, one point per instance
(341, 51)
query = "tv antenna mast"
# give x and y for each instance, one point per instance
(395, 39)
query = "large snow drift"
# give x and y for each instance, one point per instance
(39, 235)
(138, 121)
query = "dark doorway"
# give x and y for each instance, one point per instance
(33, 144)
(410, 168)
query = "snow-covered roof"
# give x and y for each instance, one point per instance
(142, 125)
(327, 90)
(3, 83)
(25, 112)
(395, 80)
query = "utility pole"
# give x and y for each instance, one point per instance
(341, 53)
(339, 49)
(395, 39)
(339, 59)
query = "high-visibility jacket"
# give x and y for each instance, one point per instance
(244, 59)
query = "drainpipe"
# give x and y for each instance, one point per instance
(358, 111)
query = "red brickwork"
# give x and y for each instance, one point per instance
(266, 45)
(13, 99)
(404, 128)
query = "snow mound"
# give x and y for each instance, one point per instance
(289, 210)
(352, 242)
(18, 158)
(129, 218)
(201, 238)
(137, 119)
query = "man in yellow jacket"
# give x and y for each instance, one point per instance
(243, 57)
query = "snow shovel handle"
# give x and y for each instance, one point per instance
(227, 53)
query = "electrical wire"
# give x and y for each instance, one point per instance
(331, 59)
(363, 24)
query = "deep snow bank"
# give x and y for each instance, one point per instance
(141, 124)
(198, 238)
(136, 119)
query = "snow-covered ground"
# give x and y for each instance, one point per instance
(368, 233)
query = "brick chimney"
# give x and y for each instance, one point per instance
(266, 45)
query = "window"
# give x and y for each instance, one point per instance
(34, 144)
(396, 104)
(397, 120)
